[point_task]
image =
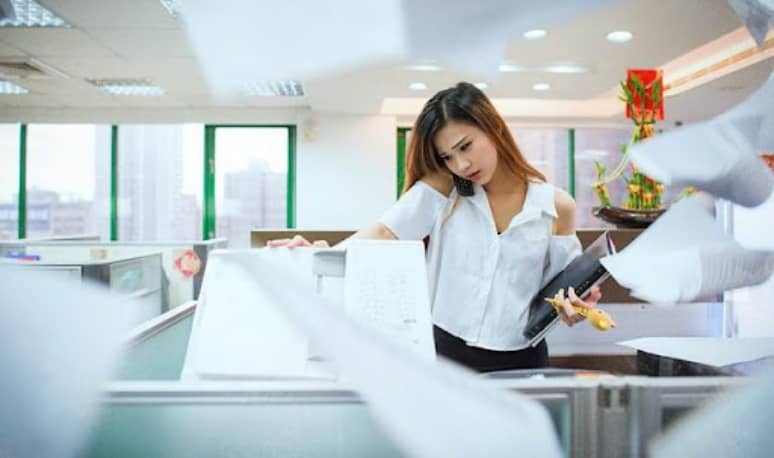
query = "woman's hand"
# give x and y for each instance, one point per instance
(296, 242)
(567, 313)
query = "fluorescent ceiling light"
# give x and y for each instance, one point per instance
(130, 87)
(481, 86)
(535, 34)
(6, 87)
(507, 67)
(541, 86)
(619, 36)
(417, 86)
(30, 13)
(284, 88)
(424, 68)
(566, 69)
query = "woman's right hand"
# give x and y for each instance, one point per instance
(296, 242)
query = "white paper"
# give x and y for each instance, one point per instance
(386, 290)
(737, 424)
(719, 156)
(241, 42)
(238, 332)
(429, 409)
(706, 350)
(685, 255)
(433, 28)
(757, 16)
(248, 41)
(59, 341)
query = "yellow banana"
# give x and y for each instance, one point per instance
(598, 318)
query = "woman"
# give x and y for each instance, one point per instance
(497, 231)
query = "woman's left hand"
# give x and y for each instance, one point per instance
(567, 313)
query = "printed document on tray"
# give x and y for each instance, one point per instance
(386, 290)
(240, 329)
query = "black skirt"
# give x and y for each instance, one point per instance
(482, 360)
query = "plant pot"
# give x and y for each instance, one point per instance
(625, 218)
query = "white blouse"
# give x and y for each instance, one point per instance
(481, 283)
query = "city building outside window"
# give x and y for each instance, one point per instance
(160, 182)
(67, 182)
(9, 181)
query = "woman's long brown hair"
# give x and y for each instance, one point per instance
(461, 103)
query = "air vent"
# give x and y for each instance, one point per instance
(290, 88)
(27, 68)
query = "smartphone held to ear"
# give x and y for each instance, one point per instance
(464, 187)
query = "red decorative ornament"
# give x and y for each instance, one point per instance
(188, 263)
(653, 111)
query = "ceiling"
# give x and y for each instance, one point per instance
(140, 39)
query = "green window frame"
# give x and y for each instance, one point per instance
(208, 211)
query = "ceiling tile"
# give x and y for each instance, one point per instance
(144, 42)
(112, 13)
(54, 42)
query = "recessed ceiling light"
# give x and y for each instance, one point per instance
(619, 36)
(481, 86)
(535, 34)
(541, 86)
(6, 87)
(29, 13)
(507, 67)
(417, 86)
(424, 68)
(130, 87)
(566, 68)
(285, 88)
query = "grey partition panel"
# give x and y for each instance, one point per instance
(195, 420)
(253, 425)
(573, 406)
(654, 404)
(159, 356)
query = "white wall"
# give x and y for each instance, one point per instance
(346, 170)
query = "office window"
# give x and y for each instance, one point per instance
(546, 150)
(160, 184)
(68, 180)
(251, 181)
(9, 181)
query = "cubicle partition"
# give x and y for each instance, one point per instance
(183, 263)
(149, 411)
(134, 277)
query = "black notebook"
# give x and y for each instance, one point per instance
(582, 274)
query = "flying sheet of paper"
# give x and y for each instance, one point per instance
(757, 16)
(429, 409)
(59, 341)
(238, 332)
(711, 351)
(386, 290)
(304, 40)
(684, 255)
(433, 28)
(719, 156)
(736, 424)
